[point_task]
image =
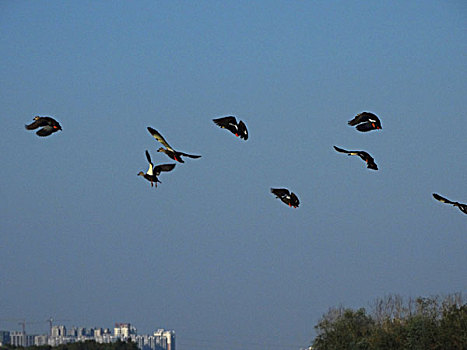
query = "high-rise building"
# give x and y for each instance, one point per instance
(124, 330)
(58, 331)
(4, 337)
(42, 339)
(165, 339)
(21, 339)
(72, 332)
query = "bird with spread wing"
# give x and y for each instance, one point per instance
(286, 196)
(230, 123)
(154, 171)
(48, 126)
(366, 121)
(171, 153)
(370, 162)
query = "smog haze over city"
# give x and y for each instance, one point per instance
(211, 253)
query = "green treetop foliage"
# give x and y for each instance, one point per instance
(418, 324)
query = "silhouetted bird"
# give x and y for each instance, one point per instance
(462, 207)
(154, 171)
(175, 155)
(230, 123)
(48, 125)
(285, 196)
(370, 162)
(366, 121)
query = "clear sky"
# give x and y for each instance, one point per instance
(211, 253)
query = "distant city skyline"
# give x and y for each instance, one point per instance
(161, 339)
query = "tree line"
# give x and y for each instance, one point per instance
(87, 345)
(432, 323)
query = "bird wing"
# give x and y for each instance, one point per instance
(36, 124)
(243, 130)
(280, 192)
(151, 166)
(163, 167)
(357, 119)
(341, 150)
(294, 200)
(463, 208)
(364, 127)
(45, 131)
(442, 199)
(188, 155)
(148, 157)
(159, 138)
(225, 121)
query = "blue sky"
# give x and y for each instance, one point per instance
(211, 253)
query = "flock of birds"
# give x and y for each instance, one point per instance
(363, 122)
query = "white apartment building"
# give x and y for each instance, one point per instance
(124, 330)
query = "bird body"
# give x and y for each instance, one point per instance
(154, 171)
(366, 121)
(171, 153)
(230, 123)
(462, 207)
(370, 162)
(48, 126)
(286, 196)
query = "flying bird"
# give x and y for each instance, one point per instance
(154, 171)
(175, 155)
(462, 207)
(285, 196)
(370, 162)
(230, 123)
(366, 121)
(48, 126)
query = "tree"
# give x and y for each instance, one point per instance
(419, 324)
(343, 329)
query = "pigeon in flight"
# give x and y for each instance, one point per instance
(286, 196)
(48, 126)
(230, 123)
(366, 121)
(175, 155)
(154, 171)
(370, 162)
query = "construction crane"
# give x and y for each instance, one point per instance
(23, 324)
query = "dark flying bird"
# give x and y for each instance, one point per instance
(462, 207)
(48, 125)
(175, 155)
(285, 196)
(230, 123)
(154, 171)
(370, 162)
(366, 121)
